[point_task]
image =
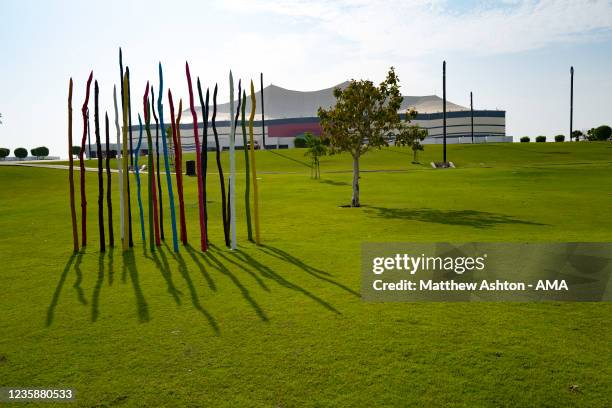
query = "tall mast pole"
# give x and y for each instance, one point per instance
(263, 120)
(472, 112)
(571, 102)
(444, 105)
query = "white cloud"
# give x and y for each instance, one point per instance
(397, 28)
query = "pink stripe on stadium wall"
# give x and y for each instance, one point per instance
(293, 129)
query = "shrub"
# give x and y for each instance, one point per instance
(300, 141)
(525, 139)
(20, 153)
(603, 132)
(560, 138)
(76, 150)
(540, 139)
(4, 152)
(39, 152)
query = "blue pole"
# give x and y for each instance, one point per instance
(160, 109)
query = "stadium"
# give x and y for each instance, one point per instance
(289, 114)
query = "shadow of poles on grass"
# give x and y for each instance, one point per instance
(212, 261)
(60, 285)
(315, 272)
(269, 273)
(195, 299)
(129, 267)
(470, 218)
(303, 163)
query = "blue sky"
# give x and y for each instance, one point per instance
(514, 55)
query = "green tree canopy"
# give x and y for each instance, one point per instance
(316, 149)
(20, 152)
(411, 135)
(362, 118)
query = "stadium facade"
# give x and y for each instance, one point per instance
(289, 114)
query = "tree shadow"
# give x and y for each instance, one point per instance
(95, 298)
(212, 261)
(59, 286)
(267, 272)
(304, 163)
(470, 218)
(311, 270)
(334, 183)
(129, 264)
(195, 299)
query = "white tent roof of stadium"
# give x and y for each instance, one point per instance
(281, 103)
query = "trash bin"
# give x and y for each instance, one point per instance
(190, 168)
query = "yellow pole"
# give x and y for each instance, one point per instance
(253, 169)
(125, 163)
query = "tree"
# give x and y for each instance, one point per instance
(4, 152)
(39, 152)
(20, 153)
(362, 118)
(76, 150)
(601, 133)
(411, 135)
(316, 149)
(559, 138)
(0, 118)
(525, 139)
(577, 134)
(540, 139)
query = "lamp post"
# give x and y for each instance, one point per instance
(444, 106)
(571, 102)
(263, 120)
(472, 114)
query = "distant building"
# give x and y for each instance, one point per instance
(289, 114)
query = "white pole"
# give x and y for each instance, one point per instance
(232, 164)
(119, 159)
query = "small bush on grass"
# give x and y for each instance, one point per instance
(20, 153)
(540, 139)
(525, 139)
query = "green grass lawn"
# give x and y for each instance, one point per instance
(283, 324)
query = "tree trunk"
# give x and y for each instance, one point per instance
(355, 199)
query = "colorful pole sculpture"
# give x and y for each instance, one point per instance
(109, 199)
(176, 137)
(119, 160)
(160, 108)
(232, 189)
(253, 168)
(124, 163)
(82, 164)
(204, 153)
(75, 234)
(129, 112)
(247, 189)
(221, 178)
(153, 224)
(159, 221)
(201, 194)
(100, 169)
(137, 168)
